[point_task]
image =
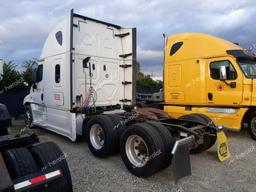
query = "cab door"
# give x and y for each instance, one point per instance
(223, 91)
(37, 96)
(37, 91)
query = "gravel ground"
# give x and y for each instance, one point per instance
(208, 174)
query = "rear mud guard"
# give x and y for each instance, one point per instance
(181, 158)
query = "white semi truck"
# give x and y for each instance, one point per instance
(83, 62)
(85, 86)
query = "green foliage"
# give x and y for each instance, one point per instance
(145, 80)
(29, 65)
(11, 77)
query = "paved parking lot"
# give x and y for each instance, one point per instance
(208, 174)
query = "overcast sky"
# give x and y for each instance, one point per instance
(25, 23)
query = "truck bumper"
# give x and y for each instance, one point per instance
(50, 181)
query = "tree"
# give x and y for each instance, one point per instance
(11, 77)
(139, 74)
(145, 80)
(29, 65)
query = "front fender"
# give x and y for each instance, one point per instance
(28, 99)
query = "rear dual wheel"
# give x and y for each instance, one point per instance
(102, 136)
(144, 149)
(167, 138)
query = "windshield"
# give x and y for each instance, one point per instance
(248, 67)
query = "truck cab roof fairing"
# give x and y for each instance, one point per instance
(197, 45)
(52, 45)
(242, 54)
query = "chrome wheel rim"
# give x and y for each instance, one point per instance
(137, 150)
(97, 136)
(253, 126)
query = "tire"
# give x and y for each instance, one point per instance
(28, 117)
(208, 141)
(49, 155)
(168, 140)
(153, 157)
(252, 125)
(20, 162)
(119, 124)
(101, 135)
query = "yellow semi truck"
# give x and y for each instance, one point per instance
(207, 75)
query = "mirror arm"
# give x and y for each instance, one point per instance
(228, 84)
(225, 82)
(34, 86)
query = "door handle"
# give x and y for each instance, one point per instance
(42, 97)
(210, 96)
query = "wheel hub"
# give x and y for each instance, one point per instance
(97, 136)
(137, 150)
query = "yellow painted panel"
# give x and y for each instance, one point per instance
(232, 121)
(174, 76)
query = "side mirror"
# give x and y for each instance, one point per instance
(34, 76)
(223, 73)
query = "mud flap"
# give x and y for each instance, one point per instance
(181, 158)
(222, 143)
(181, 163)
